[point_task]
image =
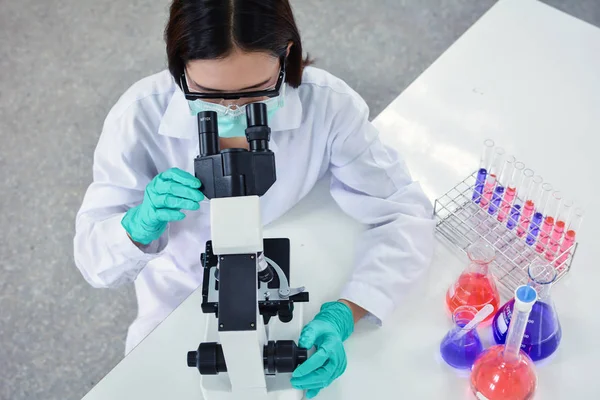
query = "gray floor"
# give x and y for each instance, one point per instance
(63, 64)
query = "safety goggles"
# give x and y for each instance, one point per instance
(269, 92)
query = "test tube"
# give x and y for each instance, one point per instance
(507, 171)
(492, 176)
(484, 165)
(538, 216)
(569, 239)
(550, 212)
(510, 190)
(559, 228)
(517, 208)
(530, 202)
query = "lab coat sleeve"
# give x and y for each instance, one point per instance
(122, 168)
(371, 183)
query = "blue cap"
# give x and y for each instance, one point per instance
(526, 294)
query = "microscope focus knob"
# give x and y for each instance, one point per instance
(192, 359)
(208, 359)
(283, 356)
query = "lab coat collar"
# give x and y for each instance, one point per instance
(179, 123)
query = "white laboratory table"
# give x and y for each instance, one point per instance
(525, 75)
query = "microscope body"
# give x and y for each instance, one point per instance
(246, 353)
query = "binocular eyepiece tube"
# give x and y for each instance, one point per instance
(208, 133)
(257, 131)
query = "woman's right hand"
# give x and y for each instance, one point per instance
(167, 194)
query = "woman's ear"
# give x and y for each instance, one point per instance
(289, 48)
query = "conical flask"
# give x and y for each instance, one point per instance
(504, 371)
(461, 346)
(543, 332)
(475, 287)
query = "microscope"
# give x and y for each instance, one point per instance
(253, 315)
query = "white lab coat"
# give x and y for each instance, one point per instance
(322, 126)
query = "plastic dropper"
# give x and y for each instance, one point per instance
(480, 316)
(538, 216)
(569, 239)
(529, 207)
(559, 229)
(522, 190)
(510, 191)
(484, 166)
(492, 177)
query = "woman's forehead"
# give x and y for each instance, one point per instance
(234, 72)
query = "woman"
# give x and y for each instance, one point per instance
(143, 212)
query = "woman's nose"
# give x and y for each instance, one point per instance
(231, 103)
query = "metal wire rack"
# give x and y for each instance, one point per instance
(462, 222)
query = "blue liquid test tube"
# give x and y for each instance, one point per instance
(484, 166)
(522, 190)
(540, 200)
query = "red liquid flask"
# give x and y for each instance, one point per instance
(475, 287)
(505, 372)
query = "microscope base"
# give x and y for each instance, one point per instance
(218, 387)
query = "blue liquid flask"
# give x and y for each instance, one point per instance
(460, 348)
(543, 332)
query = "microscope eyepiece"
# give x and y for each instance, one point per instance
(208, 133)
(256, 114)
(258, 132)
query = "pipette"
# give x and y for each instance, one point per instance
(529, 207)
(522, 190)
(538, 216)
(492, 176)
(480, 316)
(484, 166)
(569, 239)
(511, 191)
(550, 211)
(559, 229)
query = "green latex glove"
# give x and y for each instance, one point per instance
(327, 331)
(167, 194)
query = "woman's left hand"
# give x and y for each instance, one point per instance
(327, 331)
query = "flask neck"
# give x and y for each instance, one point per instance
(542, 289)
(479, 267)
(514, 338)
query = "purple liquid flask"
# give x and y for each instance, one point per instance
(522, 190)
(492, 177)
(569, 239)
(550, 212)
(510, 191)
(461, 346)
(559, 229)
(529, 206)
(484, 165)
(543, 332)
(540, 201)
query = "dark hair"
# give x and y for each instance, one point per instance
(211, 29)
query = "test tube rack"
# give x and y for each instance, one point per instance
(461, 222)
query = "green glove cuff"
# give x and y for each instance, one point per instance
(339, 315)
